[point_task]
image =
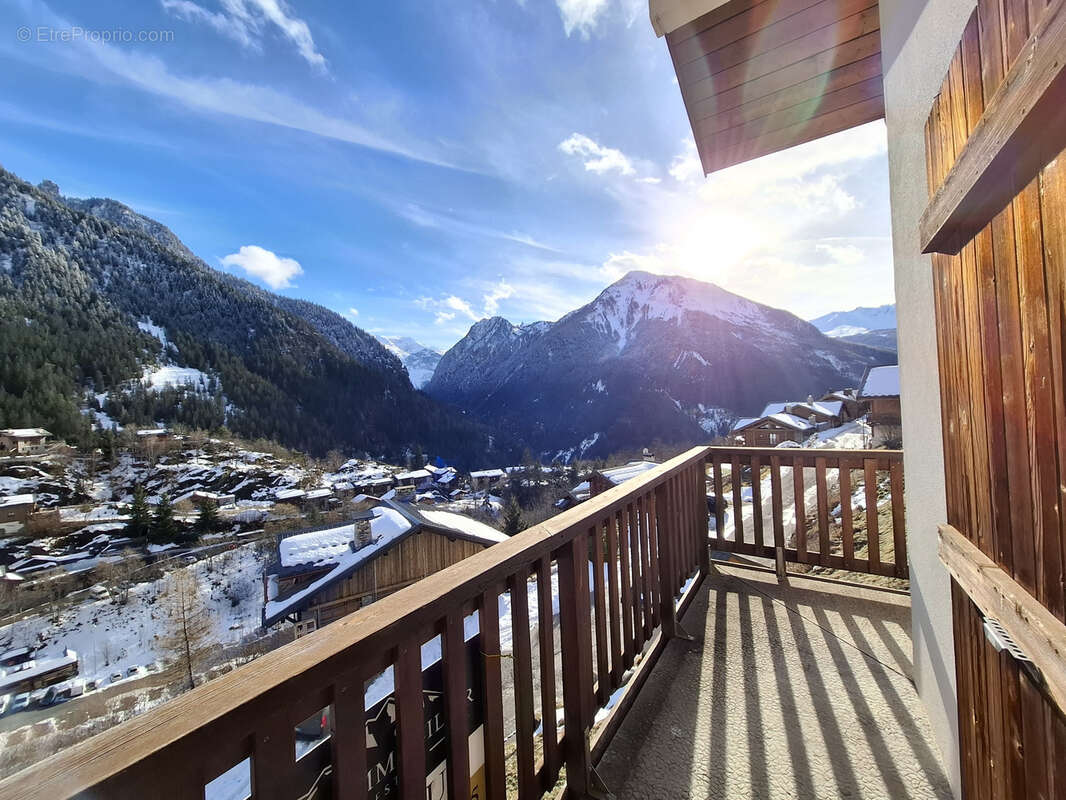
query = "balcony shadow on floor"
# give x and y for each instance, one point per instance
(789, 691)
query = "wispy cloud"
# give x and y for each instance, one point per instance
(246, 22)
(273, 270)
(450, 223)
(596, 157)
(448, 307)
(581, 16)
(106, 63)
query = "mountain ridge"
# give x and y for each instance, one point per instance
(651, 357)
(74, 285)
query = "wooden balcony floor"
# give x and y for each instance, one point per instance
(797, 691)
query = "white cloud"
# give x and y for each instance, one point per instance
(581, 15)
(273, 270)
(596, 157)
(847, 254)
(649, 179)
(450, 306)
(245, 21)
(354, 312)
(686, 165)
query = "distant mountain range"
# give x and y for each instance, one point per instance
(874, 326)
(419, 360)
(652, 358)
(858, 320)
(105, 312)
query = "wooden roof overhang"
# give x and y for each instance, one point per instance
(759, 76)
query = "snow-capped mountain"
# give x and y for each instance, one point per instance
(419, 360)
(857, 321)
(652, 358)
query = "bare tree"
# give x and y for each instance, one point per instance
(121, 575)
(188, 624)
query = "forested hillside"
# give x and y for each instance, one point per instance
(89, 309)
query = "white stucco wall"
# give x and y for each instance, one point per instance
(918, 41)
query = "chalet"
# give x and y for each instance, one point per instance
(880, 388)
(16, 656)
(290, 495)
(345, 490)
(417, 478)
(851, 407)
(15, 511)
(33, 674)
(317, 498)
(200, 497)
(23, 441)
(485, 478)
(773, 429)
(321, 576)
(600, 481)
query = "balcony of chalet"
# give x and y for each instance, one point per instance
(648, 643)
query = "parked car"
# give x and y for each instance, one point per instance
(20, 702)
(77, 688)
(54, 694)
(189, 559)
(116, 677)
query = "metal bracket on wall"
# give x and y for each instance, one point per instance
(1000, 640)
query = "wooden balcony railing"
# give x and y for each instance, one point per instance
(833, 508)
(620, 562)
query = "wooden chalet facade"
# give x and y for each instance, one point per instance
(322, 576)
(23, 441)
(880, 389)
(772, 430)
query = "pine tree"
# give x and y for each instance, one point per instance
(164, 526)
(512, 518)
(140, 522)
(208, 520)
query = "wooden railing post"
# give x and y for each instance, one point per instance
(575, 626)
(702, 514)
(667, 606)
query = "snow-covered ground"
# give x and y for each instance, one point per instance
(110, 638)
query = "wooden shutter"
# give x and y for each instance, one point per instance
(998, 217)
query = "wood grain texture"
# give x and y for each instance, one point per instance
(1022, 129)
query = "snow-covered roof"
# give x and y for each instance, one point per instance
(289, 494)
(415, 475)
(152, 432)
(25, 433)
(343, 486)
(471, 527)
(317, 494)
(617, 475)
(390, 523)
(881, 382)
(772, 408)
(32, 669)
(744, 422)
(16, 500)
(791, 421)
(488, 473)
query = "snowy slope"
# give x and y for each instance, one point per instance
(653, 357)
(858, 320)
(419, 360)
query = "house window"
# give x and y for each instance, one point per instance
(773, 438)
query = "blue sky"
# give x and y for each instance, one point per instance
(416, 165)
